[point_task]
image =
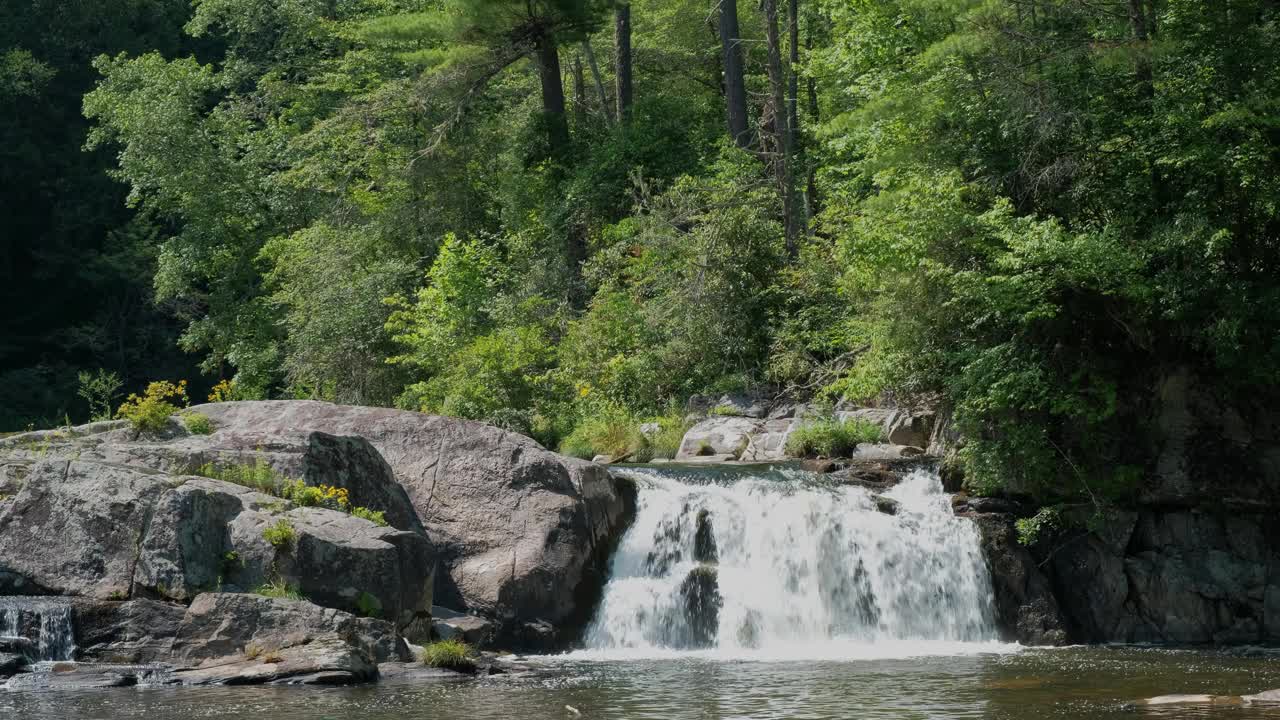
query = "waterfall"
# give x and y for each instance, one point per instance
(789, 563)
(47, 622)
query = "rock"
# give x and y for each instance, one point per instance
(739, 405)
(718, 436)
(132, 632)
(602, 459)
(523, 534)
(1026, 609)
(72, 676)
(704, 539)
(1192, 700)
(222, 625)
(951, 472)
(88, 519)
(994, 505)
(17, 645)
(822, 466)
(1265, 697)
(325, 660)
(700, 592)
(11, 663)
(787, 410)
(876, 475)
(886, 505)
(884, 451)
(769, 442)
(450, 624)
(417, 672)
(883, 417)
(912, 429)
(650, 430)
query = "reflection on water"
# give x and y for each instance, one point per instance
(1070, 684)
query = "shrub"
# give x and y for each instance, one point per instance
(369, 605)
(151, 411)
(831, 437)
(259, 476)
(450, 654)
(377, 517)
(609, 430)
(99, 390)
(666, 442)
(281, 534)
(197, 424)
(224, 391)
(1032, 529)
(278, 588)
(304, 495)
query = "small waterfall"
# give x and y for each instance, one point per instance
(788, 563)
(45, 622)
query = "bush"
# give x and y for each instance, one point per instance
(377, 517)
(831, 437)
(278, 588)
(151, 411)
(449, 654)
(224, 391)
(281, 535)
(99, 390)
(326, 496)
(610, 430)
(197, 424)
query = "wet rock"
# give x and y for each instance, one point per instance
(73, 676)
(416, 672)
(822, 466)
(1027, 610)
(11, 663)
(323, 660)
(132, 632)
(994, 505)
(768, 443)
(602, 459)
(704, 540)
(1266, 697)
(449, 624)
(700, 593)
(1192, 700)
(886, 505)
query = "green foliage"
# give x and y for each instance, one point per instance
(197, 424)
(450, 654)
(1037, 527)
(99, 390)
(368, 605)
(151, 411)
(377, 517)
(830, 437)
(259, 475)
(279, 588)
(281, 534)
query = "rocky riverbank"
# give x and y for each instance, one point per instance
(163, 564)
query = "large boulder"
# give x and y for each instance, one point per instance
(523, 534)
(719, 435)
(125, 632)
(75, 528)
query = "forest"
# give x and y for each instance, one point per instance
(568, 217)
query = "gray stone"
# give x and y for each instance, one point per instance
(523, 533)
(450, 624)
(132, 632)
(740, 405)
(720, 435)
(886, 505)
(11, 663)
(86, 518)
(1263, 698)
(251, 628)
(768, 443)
(325, 660)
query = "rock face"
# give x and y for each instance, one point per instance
(1026, 608)
(1194, 559)
(719, 435)
(523, 534)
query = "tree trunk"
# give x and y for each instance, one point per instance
(1138, 19)
(793, 77)
(595, 77)
(552, 95)
(735, 88)
(811, 204)
(622, 60)
(579, 92)
(782, 131)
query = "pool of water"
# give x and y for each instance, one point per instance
(1008, 683)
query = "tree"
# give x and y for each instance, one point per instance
(783, 137)
(622, 59)
(735, 88)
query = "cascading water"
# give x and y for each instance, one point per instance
(786, 563)
(49, 620)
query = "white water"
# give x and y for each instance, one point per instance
(56, 639)
(805, 570)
